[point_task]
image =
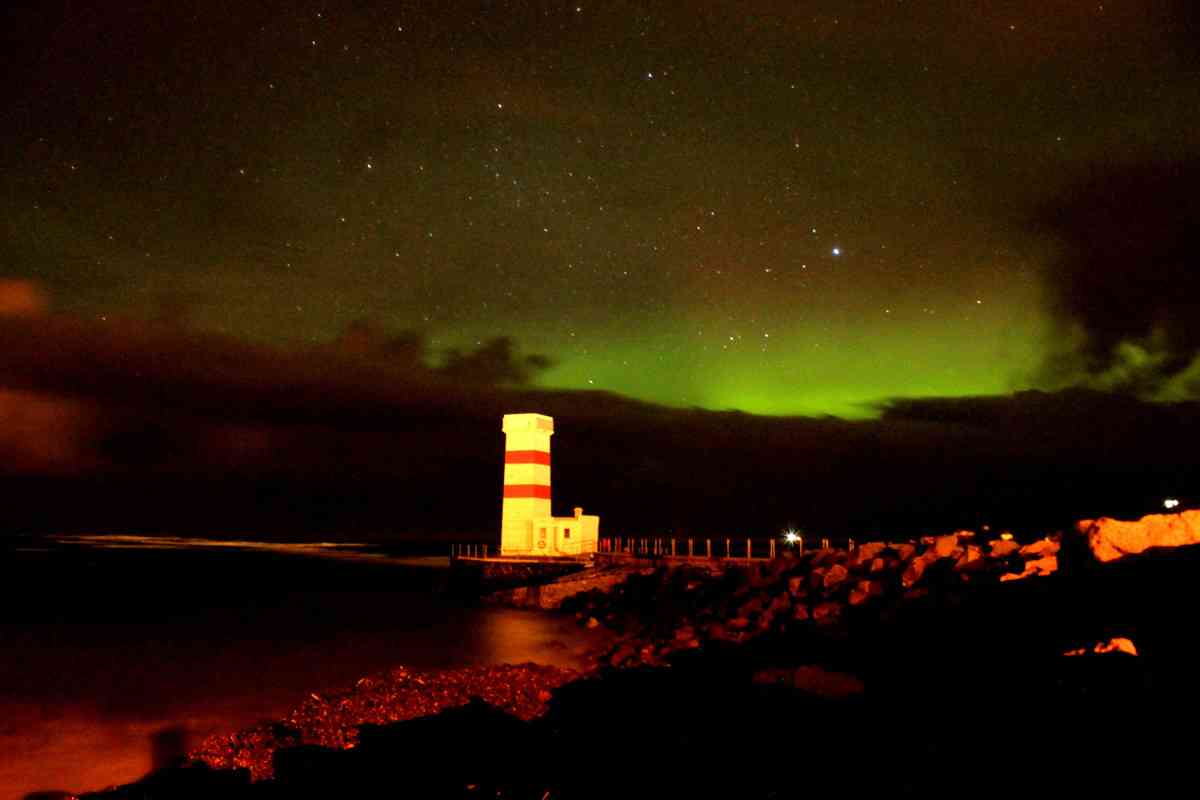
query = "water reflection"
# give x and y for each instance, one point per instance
(132, 653)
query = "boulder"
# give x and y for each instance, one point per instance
(878, 565)
(800, 612)
(865, 553)
(780, 604)
(945, 546)
(827, 612)
(916, 568)
(1117, 645)
(1036, 567)
(751, 606)
(1040, 549)
(1003, 548)
(971, 560)
(813, 680)
(1110, 539)
(864, 591)
(905, 551)
(622, 653)
(835, 576)
(795, 586)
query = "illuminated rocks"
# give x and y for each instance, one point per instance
(835, 576)
(1110, 539)
(1116, 645)
(1034, 568)
(331, 720)
(1001, 548)
(916, 568)
(945, 546)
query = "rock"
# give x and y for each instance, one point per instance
(1110, 539)
(623, 653)
(592, 622)
(826, 683)
(1117, 645)
(780, 604)
(865, 553)
(686, 632)
(800, 612)
(835, 576)
(751, 606)
(738, 623)
(905, 551)
(827, 612)
(1003, 548)
(945, 546)
(877, 565)
(795, 586)
(916, 568)
(864, 591)
(971, 560)
(1040, 549)
(1037, 567)
(813, 680)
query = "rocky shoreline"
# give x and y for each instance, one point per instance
(942, 666)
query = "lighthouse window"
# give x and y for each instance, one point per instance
(566, 533)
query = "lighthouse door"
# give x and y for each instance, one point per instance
(540, 544)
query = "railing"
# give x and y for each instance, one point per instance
(748, 549)
(729, 548)
(468, 551)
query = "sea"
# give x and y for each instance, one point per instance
(111, 645)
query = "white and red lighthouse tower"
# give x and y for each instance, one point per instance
(527, 526)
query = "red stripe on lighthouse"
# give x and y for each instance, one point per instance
(526, 457)
(527, 490)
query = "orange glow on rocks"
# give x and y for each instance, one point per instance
(1116, 645)
(1110, 539)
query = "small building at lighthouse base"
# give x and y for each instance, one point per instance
(552, 536)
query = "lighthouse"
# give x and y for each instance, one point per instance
(527, 526)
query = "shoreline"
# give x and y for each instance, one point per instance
(1015, 650)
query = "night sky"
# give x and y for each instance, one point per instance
(793, 207)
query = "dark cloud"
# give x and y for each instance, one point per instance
(1124, 290)
(147, 426)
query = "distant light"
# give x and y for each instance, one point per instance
(1006, 536)
(791, 537)
(1170, 502)
(837, 251)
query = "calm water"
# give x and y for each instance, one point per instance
(108, 643)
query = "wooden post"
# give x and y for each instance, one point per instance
(824, 544)
(772, 556)
(485, 551)
(851, 547)
(689, 548)
(708, 547)
(800, 545)
(728, 552)
(672, 547)
(747, 549)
